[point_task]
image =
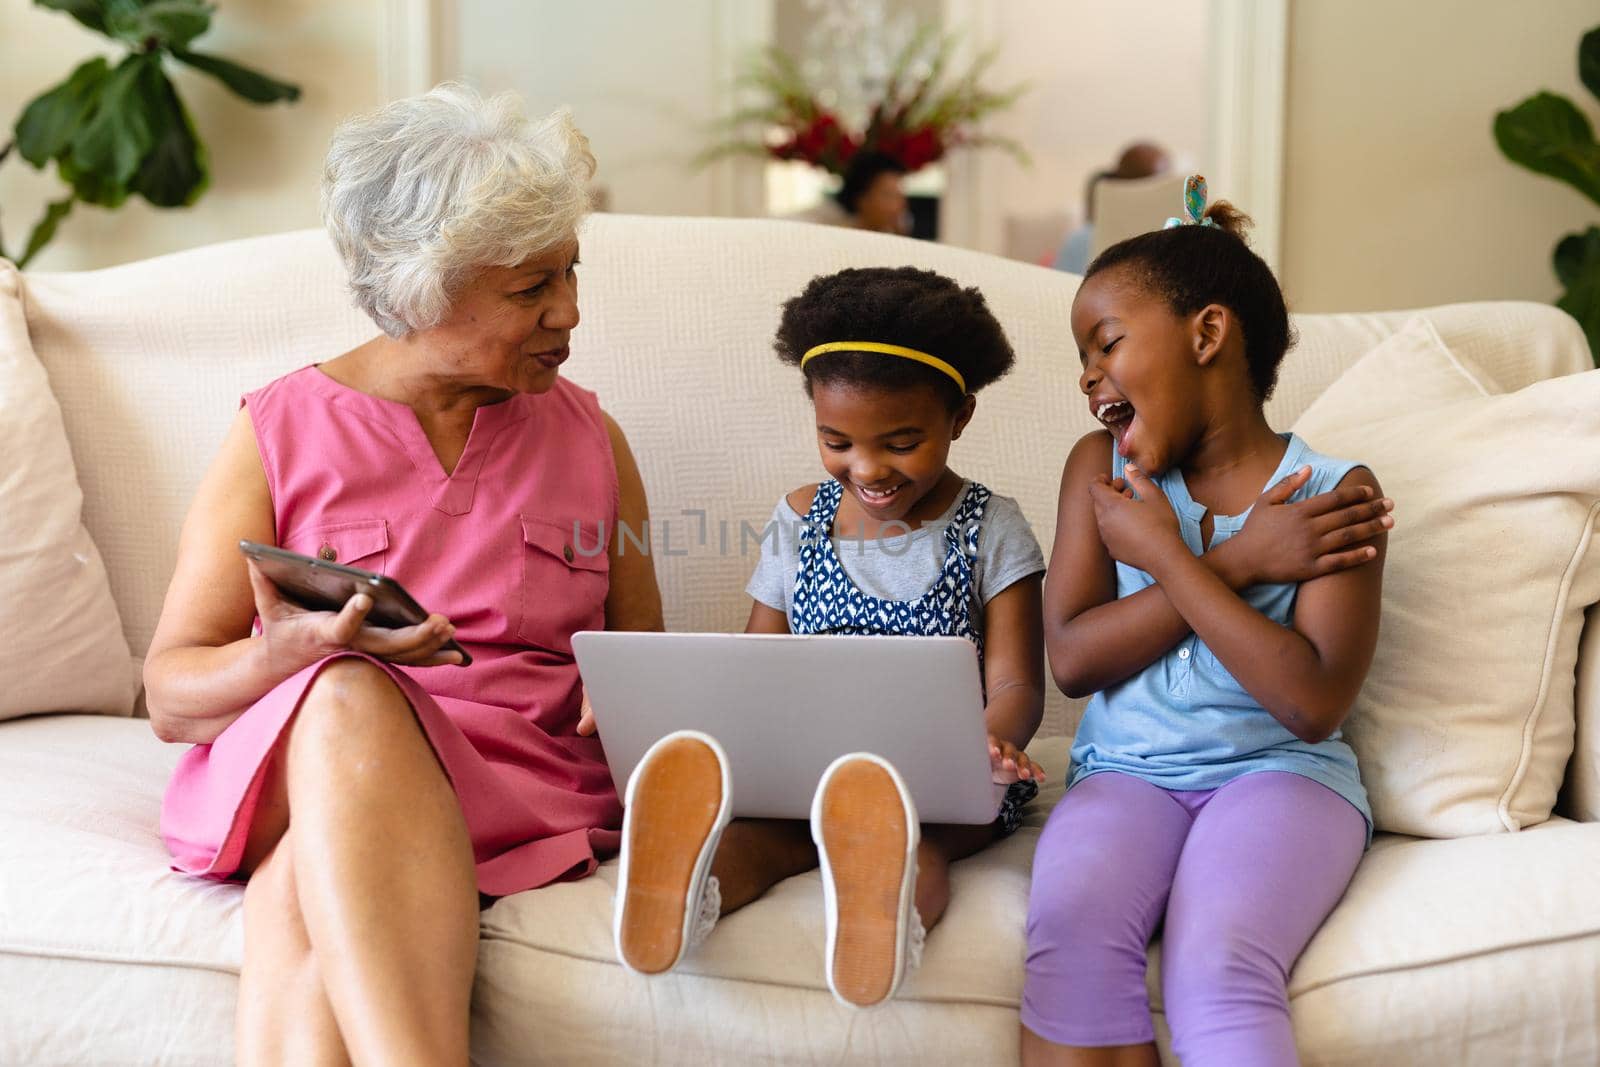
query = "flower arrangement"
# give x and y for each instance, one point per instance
(920, 114)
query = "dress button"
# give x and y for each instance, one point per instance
(327, 552)
(566, 551)
(1183, 653)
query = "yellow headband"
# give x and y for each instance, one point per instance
(889, 350)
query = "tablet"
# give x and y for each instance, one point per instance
(785, 706)
(321, 585)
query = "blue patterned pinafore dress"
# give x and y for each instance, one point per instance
(826, 601)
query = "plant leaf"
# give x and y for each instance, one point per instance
(92, 13)
(49, 123)
(174, 174)
(115, 142)
(90, 186)
(172, 23)
(1547, 134)
(1575, 253)
(252, 85)
(1589, 60)
(1581, 275)
(45, 230)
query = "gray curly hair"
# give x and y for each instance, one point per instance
(420, 193)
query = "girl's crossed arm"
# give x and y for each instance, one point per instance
(1096, 640)
(1306, 675)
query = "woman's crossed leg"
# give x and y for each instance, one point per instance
(361, 914)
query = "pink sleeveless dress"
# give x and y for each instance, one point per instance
(511, 548)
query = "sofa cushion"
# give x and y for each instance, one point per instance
(64, 645)
(106, 957)
(1480, 950)
(1581, 793)
(1465, 724)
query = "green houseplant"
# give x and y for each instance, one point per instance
(116, 131)
(1549, 135)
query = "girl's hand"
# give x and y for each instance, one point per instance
(1008, 763)
(1135, 532)
(296, 637)
(1282, 542)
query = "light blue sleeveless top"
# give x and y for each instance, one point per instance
(1183, 722)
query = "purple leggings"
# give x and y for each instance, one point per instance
(1243, 876)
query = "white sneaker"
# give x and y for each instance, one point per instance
(866, 831)
(678, 802)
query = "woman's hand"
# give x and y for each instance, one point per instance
(1135, 531)
(297, 637)
(1008, 763)
(586, 726)
(1284, 542)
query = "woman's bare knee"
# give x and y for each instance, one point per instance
(349, 703)
(352, 706)
(353, 687)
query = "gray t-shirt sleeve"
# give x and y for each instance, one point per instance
(1007, 550)
(772, 583)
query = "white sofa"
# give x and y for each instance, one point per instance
(1482, 950)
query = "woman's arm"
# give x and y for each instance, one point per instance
(634, 600)
(1306, 675)
(204, 668)
(1013, 663)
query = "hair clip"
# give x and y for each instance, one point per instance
(1194, 204)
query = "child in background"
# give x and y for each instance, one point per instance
(1224, 644)
(893, 543)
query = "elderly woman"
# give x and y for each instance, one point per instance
(367, 786)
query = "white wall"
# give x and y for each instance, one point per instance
(643, 80)
(265, 161)
(1103, 75)
(1395, 193)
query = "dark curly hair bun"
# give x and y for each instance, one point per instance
(904, 306)
(1192, 266)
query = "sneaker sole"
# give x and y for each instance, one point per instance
(865, 838)
(674, 807)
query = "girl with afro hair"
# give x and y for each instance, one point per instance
(892, 542)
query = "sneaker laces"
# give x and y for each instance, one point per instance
(707, 911)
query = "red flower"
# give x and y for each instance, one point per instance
(921, 148)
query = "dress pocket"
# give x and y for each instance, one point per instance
(360, 543)
(566, 574)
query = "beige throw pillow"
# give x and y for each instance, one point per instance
(1465, 724)
(64, 648)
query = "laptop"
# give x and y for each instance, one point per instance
(785, 706)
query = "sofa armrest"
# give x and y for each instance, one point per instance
(1580, 795)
